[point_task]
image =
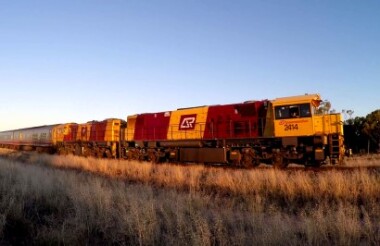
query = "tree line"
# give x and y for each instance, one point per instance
(362, 134)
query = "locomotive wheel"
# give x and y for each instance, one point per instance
(153, 157)
(247, 160)
(129, 154)
(62, 151)
(279, 162)
(108, 154)
(285, 163)
(78, 150)
(317, 163)
(255, 162)
(235, 163)
(312, 163)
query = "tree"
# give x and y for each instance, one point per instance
(371, 127)
(348, 112)
(363, 133)
(354, 136)
(324, 107)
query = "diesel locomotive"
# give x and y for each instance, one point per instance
(278, 132)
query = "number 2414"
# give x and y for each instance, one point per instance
(291, 127)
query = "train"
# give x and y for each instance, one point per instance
(275, 132)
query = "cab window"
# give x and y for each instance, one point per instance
(293, 111)
(282, 112)
(305, 110)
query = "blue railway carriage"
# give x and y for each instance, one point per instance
(35, 138)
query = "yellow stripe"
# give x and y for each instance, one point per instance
(130, 132)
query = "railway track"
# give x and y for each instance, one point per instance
(361, 163)
(295, 167)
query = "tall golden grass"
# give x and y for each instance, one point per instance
(74, 200)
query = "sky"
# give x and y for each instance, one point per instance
(76, 61)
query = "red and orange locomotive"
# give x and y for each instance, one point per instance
(276, 132)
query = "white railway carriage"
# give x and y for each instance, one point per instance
(28, 138)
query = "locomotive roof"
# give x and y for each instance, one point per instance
(307, 98)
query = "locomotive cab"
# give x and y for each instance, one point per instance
(308, 134)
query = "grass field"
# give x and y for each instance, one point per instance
(47, 199)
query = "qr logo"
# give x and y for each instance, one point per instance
(187, 122)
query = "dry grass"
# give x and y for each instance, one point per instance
(120, 202)
(372, 160)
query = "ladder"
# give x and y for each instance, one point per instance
(336, 151)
